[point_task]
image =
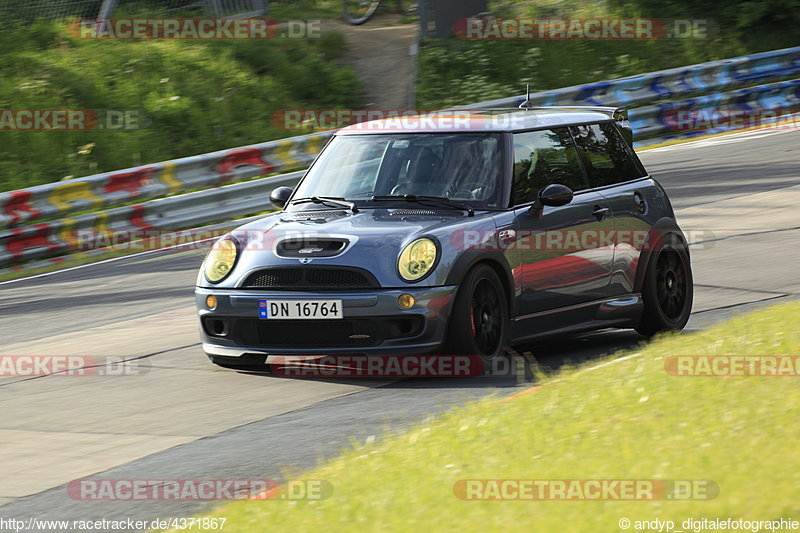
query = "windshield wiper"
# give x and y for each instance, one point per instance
(441, 200)
(329, 201)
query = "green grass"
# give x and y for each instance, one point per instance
(628, 420)
(195, 96)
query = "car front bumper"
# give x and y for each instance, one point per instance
(373, 323)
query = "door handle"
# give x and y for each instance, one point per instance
(601, 212)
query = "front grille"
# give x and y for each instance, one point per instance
(310, 278)
(307, 333)
(355, 332)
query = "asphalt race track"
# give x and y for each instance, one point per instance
(180, 417)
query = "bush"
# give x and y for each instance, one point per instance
(199, 96)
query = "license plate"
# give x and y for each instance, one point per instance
(299, 309)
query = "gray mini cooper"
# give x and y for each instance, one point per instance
(451, 234)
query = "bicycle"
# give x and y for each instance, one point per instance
(357, 12)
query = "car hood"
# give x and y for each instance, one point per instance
(375, 239)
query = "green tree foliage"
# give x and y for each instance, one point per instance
(198, 96)
(454, 71)
(757, 24)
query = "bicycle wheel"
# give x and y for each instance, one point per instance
(359, 11)
(408, 8)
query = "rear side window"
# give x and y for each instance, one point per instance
(608, 157)
(544, 157)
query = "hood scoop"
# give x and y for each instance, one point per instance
(412, 212)
(297, 248)
(313, 215)
(423, 212)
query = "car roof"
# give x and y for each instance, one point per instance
(484, 120)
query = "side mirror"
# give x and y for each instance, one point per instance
(556, 195)
(278, 197)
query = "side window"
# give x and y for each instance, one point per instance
(608, 157)
(544, 157)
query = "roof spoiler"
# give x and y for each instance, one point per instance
(619, 114)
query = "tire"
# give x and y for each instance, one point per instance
(479, 319)
(668, 289)
(357, 12)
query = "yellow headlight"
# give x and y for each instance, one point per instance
(220, 260)
(417, 259)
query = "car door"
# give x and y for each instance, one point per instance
(615, 171)
(563, 260)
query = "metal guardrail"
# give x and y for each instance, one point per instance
(768, 80)
(117, 226)
(663, 121)
(682, 82)
(150, 181)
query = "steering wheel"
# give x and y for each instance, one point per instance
(462, 194)
(399, 189)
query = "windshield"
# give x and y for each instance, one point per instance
(462, 167)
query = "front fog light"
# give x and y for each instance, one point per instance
(417, 259)
(405, 301)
